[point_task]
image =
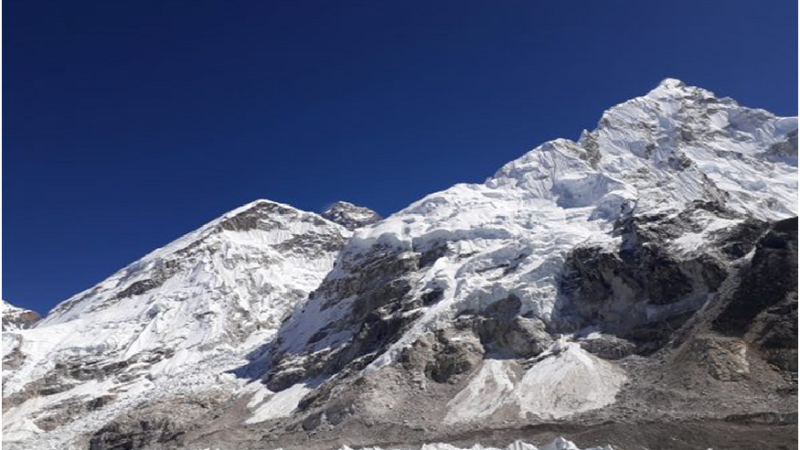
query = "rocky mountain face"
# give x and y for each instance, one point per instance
(350, 216)
(634, 287)
(15, 318)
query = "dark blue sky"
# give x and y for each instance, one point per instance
(127, 124)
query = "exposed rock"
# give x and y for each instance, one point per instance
(645, 291)
(350, 216)
(769, 281)
(608, 346)
(445, 356)
(161, 422)
(17, 318)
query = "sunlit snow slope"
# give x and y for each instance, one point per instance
(171, 322)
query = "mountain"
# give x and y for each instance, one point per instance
(167, 325)
(634, 287)
(350, 216)
(15, 318)
(559, 290)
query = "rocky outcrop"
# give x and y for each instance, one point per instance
(763, 308)
(350, 216)
(647, 288)
(769, 283)
(18, 318)
(155, 424)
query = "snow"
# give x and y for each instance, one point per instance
(654, 154)
(221, 292)
(568, 383)
(214, 295)
(566, 380)
(277, 405)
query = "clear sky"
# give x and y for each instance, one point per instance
(128, 124)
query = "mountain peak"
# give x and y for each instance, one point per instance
(350, 216)
(671, 83)
(15, 318)
(671, 89)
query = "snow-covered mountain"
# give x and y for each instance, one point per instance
(638, 283)
(677, 154)
(170, 323)
(510, 301)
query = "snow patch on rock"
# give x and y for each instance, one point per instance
(565, 380)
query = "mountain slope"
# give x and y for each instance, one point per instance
(170, 323)
(450, 311)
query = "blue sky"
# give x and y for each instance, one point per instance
(128, 124)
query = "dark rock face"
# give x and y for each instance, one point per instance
(619, 291)
(763, 308)
(744, 341)
(350, 216)
(378, 314)
(769, 282)
(140, 287)
(643, 292)
(638, 299)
